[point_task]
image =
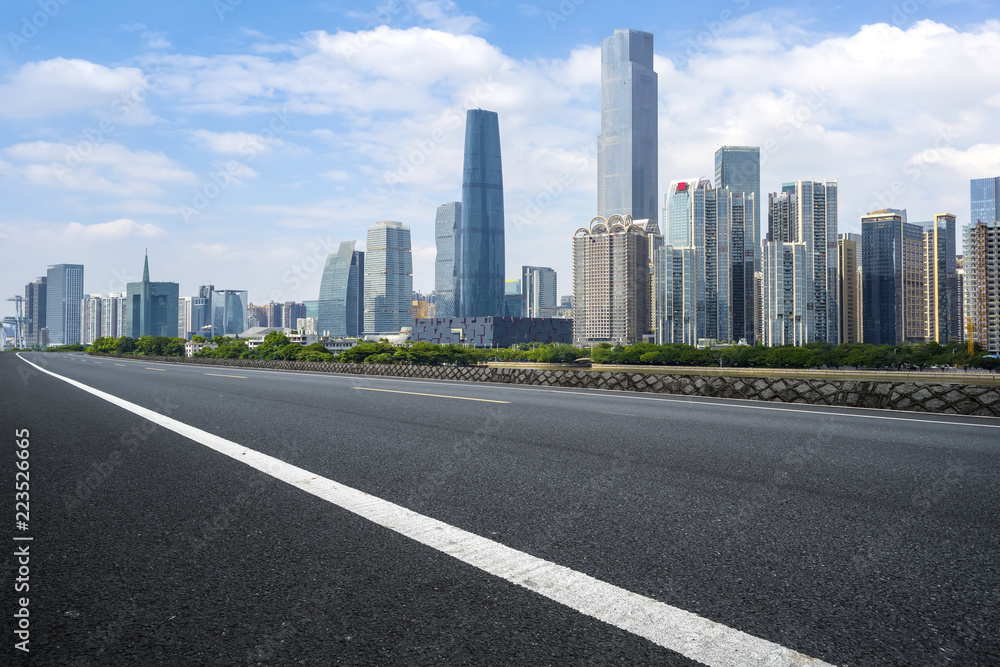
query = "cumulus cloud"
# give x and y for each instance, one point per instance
(237, 143)
(107, 167)
(54, 87)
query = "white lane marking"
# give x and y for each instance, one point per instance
(416, 393)
(673, 628)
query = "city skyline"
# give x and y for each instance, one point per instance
(139, 151)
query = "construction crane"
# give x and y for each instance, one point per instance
(18, 321)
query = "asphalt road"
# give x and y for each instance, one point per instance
(856, 537)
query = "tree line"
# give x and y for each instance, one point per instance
(276, 345)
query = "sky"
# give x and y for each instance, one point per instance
(240, 142)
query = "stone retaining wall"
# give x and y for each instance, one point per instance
(960, 399)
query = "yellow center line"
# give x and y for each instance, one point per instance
(98, 362)
(156, 369)
(414, 393)
(119, 364)
(219, 375)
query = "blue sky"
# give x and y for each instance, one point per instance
(240, 143)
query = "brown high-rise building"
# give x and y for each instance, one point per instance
(849, 285)
(611, 278)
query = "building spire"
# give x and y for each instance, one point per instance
(145, 268)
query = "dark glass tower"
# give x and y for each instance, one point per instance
(479, 264)
(985, 199)
(627, 148)
(342, 293)
(151, 308)
(64, 293)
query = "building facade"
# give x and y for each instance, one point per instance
(627, 148)
(738, 168)
(981, 261)
(388, 272)
(849, 287)
(611, 280)
(984, 195)
(892, 280)
(479, 264)
(151, 308)
(35, 295)
(538, 289)
(941, 294)
(447, 223)
(341, 304)
(64, 294)
(805, 212)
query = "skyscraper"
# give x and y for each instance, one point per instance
(985, 199)
(738, 168)
(388, 272)
(446, 227)
(34, 310)
(981, 261)
(64, 294)
(627, 178)
(479, 264)
(538, 288)
(229, 312)
(941, 276)
(341, 305)
(611, 293)
(893, 285)
(806, 212)
(151, 308)
(849, 287)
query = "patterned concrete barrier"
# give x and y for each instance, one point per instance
(960, 399)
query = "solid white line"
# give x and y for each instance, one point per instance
(681, 631)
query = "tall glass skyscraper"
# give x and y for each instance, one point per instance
(151, 307)
(64, 294)
(985, 196)
(480, 259)
(388, 278)
(446, 226)
(341, 305)
(627, 148)
(738, 168)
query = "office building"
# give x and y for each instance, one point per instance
(388, 271)
(229, 312)
(941, 295)
(292, 312)
(981, 261)
(893, 280)
(34, 311)
(151, 308)
(627, 148)
(341, 303)
(849, 287)
(63, 296)
(709, 240)
(985, 200)
(738, 168)
(803, 212)
(446, 233)
(611, 281)
(538, 290)
(479, 264)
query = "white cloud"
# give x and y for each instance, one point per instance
(237, 143)
(110, 231)
(50, 88)
(215, 249)
(107, 167)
